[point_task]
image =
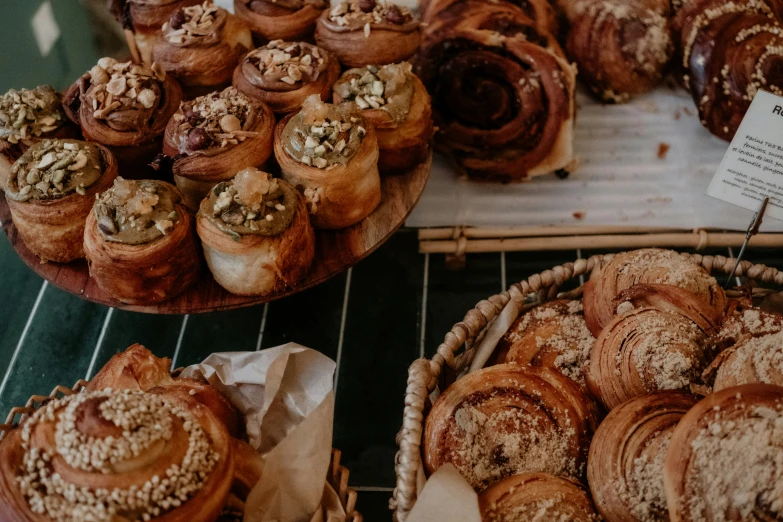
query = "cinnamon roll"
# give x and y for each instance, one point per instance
(124, 106)
(509, 419)
(213, 137)
(396, 103)
(542, 12)
(503, 93)
(536, 496)
(752, 359)
(725, 458)
(256, 234)
(280, 19)
(368, 32)
(331, 153)
(200, 46)
(553, 335)
(649, 265)
(622, 47)
(51, 191)
(139, 242)
(283, 74)
(248, 469)
(26, 117)
(120, 455)
(625, 464)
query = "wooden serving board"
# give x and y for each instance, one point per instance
(335, 252)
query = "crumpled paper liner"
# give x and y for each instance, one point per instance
(446, 496)
(286, 396)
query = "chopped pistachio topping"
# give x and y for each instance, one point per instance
(292, 63)
(54, 168)
(194, 23)
(389, 88)
(29, 113)
(219, 119)
(123, 86)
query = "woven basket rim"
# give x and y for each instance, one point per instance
(337, 475)
(424, 373)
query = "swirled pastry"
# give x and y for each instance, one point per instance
(280, 19)
(283, 74)
(725, 458)
(509, 419)
(553, 335)
(752, 359)
(126, 107)
(536, 496)
(200, 46)
(542, 12)
(116, 455)
(625, 464)
(368, 32)
(51, 191)
(396, 103)
(213, 137)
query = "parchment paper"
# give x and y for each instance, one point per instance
(447, 496)
(285, 394)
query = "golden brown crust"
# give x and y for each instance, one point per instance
(136, 368)
(536, 496)
(53, 229)
(146, 19)
(256, 264)
(147, 273)
(625, 465)
(342, 196)
(10, 152)
(279, 23)
(215, 401)
(356, 49)
(509, 419)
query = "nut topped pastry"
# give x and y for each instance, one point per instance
(280, 19)
(213, 136)
(256, 234)
(196, 23)
(122, 94)
(362, 32)
(283, 74)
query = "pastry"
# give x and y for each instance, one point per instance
(144, 19)
(124, 106)
(625, 465)
(248, 468)
(536, 496)
(51, 191)
(336, 169)
(649, 265)
(542, 12)
(256, 234)
(212, 137)
(280, 19)
(725, 458)
(200, 46)
(66, 458)
(622, 47)
(26, 117)
(368, 32)
(650, 347)
(509, 419)
(396, 103)
(283, 74)
(751, 359)
(139, 242)
(553, 335)
(502, 90)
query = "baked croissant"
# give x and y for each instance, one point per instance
(622, 47)
(724, 458)
(536, 496)
(553, 335)
(503, 92)
(280, 19)
(51, 191)
(509, 419)
(200, 46)
(120, 455)
(126, 107)
(752, 359)
(625, 464)
(649, 265)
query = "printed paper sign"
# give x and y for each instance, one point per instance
(753, 165)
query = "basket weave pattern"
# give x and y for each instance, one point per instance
(424, 375)
(337, 475)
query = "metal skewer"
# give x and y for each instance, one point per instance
(753, 229)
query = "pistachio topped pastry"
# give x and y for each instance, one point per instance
(29, 113)
(252, 203)
(195, 24)
(53, 168)
(365, 14)
(388, 88)
(285, 66)
(323, 135)
(136, 212)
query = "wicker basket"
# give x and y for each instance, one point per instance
(447, 364)
(337, 475)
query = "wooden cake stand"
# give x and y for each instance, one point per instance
(335, 252)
